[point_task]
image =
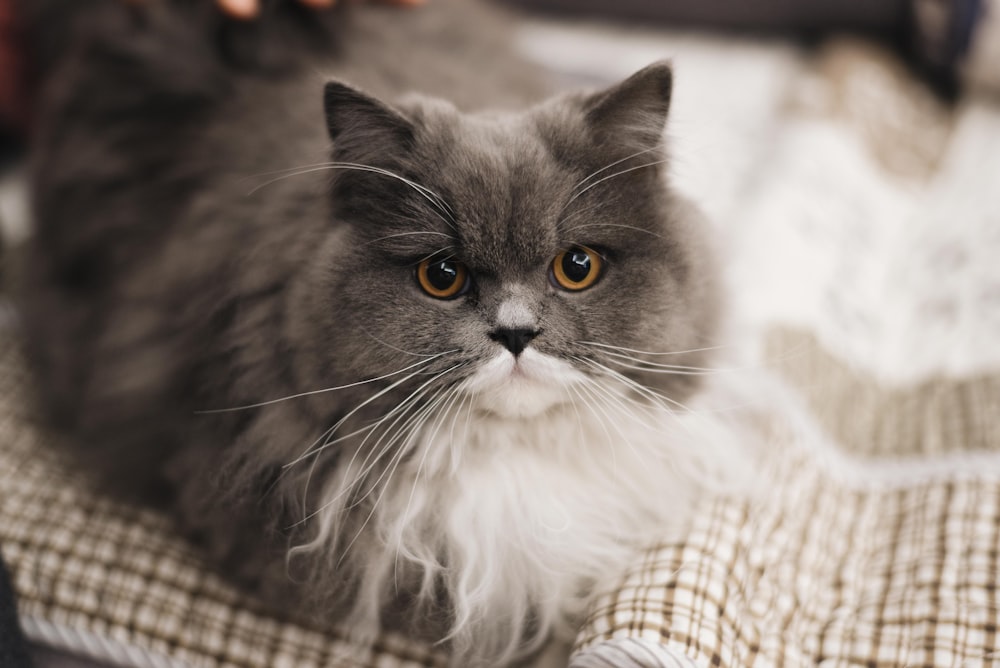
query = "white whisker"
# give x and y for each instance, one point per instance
(646, 352)
(604, 427)
(615, 164)
(324, 390)
(454, 393)
(403, 406)
(396, 348)
(602, 403)
(624, 227)
(314, 454)
(650, 394)
(408, 234)
(387, 475)
(436, 200)
(611, 176)
(364, 403)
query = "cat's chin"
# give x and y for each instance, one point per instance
(524, 386)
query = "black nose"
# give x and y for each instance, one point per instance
(514, 340)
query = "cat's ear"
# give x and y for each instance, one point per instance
(634, 112)
(362, 126)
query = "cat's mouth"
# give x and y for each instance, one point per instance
(522, 386)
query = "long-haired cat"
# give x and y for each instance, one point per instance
(389, 360)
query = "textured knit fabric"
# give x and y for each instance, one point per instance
(13, 648)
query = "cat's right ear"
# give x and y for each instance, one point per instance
(361, 126)
(633, 113)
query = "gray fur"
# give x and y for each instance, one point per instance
(174, 272)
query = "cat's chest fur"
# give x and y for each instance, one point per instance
(524, 517)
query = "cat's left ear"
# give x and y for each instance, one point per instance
(362, 126)
(634, 112)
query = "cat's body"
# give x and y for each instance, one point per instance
(197, 255)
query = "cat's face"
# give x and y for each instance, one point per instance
(509, 262)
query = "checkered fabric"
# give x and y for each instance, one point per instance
(837, 562)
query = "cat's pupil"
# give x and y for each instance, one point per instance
(576, 265)
(442, 275)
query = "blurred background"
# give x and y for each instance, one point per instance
(848, 153)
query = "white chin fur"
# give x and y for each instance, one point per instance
(523, 386)
(522, 497)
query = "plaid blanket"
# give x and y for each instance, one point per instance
(866, 261)
(841, 562)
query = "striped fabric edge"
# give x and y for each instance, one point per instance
(87, 645)
(632, 653)
(859, 472)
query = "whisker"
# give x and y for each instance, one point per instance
(392, 347)
(438, 252)
(365, 467)
(615, 164)
(454, 394)
(324, 390)
(365, 403)
(391, 470)
(589, 209)
(349, 487)
(646, 352)
(624, 227)
(665, 370)
(611, 176)
(455, 460)
(638, 387)
(286, 170)
(400, 411)
(618, 400)
(604, 395)
(604, 427)
(404, 432)
(436, 200)
(408, 234)
(658, 365)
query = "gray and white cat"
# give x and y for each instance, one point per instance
(429, 374)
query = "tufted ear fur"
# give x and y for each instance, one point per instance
(633, 113)
(361, 126)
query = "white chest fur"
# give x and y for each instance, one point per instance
(519, 518)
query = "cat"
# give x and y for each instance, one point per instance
(414, 360)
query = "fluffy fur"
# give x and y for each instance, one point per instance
(223, 311)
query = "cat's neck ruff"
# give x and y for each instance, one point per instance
(518, 517)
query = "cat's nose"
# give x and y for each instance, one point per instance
(514, 340)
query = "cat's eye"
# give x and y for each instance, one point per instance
(442, 279)
(576, 269)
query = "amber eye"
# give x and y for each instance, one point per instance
(442, 279)
(577, 268)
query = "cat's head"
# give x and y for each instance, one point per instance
(515, 259)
